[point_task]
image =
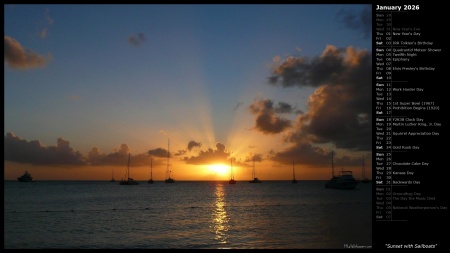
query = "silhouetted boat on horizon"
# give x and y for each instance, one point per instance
(26, 177)
(344, 180)
(232, 181)
(128, 180)
(112, 176)
(150, 181)
(364, 179)
(255, 179)
(168, 178)
(294, 181)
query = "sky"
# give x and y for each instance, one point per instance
(275, 88)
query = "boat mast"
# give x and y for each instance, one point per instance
(128, 167)
(168, 155)
(231, 166)
(363, 174)
(332, 165)
(293, 170)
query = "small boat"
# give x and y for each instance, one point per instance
(128, 180)
(344, 180)
(255, 179)
(26, 177)
(168, 178)
(294, 181)
(364, 178)
(112, 177)
(232, 181)
(150, 181)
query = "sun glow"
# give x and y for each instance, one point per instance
(219, 169)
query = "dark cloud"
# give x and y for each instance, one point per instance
(339, 111)
(265, 116)
(254, 157)
(158, 152)
(193, 144)
(283, 108)
(361, 22)
(32, 152)
(136, 40)
(17, 57)
(219, 155)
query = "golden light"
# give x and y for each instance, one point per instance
(220, 169)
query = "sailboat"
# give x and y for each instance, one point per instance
(232, 181)
(150, 181)
(168, 178)
(255, 179)
(344, 180)
(294, 181)
(112, 176)
(128, 180)
(364, 179)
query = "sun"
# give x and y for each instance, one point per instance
(219, 169)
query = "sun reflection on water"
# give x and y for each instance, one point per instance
(219, 216)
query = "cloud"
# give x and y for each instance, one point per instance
(361, 22)
(219, 155)
(340, 109)
(265, 116)
(136, 40)
(158, 152)
(254, 157)
(17, 57)
(48, 21)
(33, 152)
(193, 144)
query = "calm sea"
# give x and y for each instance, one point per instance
(198, 215)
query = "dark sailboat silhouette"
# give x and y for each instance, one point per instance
(168, 178)
(150, 181)
(344, 180)
(232, 181)
(112, 176)
(294, 181)
(364, 179)
(128, 180)
(255, 179)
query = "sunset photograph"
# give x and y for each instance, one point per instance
(148, 125)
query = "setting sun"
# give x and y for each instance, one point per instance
(220, 169)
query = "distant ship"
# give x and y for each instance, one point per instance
(26, 177)
(255, 179)
(344, 180)
(128, 180)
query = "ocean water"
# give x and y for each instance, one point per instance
(185, 215)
